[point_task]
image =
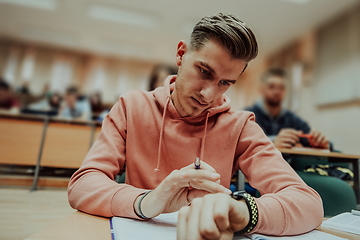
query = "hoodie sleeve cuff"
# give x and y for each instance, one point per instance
(122, 203)
(269, 223)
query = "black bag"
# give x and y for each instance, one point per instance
(333, 171)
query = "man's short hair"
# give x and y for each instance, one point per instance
(230, 31)
(72, 90)
(4, 85)
(274, 72)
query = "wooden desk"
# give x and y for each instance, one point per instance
(332, 157)
(66, 145)
(20, 141)
(78, 226)
(43, 141)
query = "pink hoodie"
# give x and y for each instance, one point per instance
(145, 132)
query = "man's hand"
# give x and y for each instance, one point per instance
(287, 138)
(214, 216)
(318, 140)
(179, 188)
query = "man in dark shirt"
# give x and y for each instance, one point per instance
(282, 126)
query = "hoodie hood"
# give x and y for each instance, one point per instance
(163, 96)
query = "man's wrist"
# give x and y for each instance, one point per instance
(138, 205)
(252, 209)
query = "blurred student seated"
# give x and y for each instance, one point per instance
(284, 128)
(98, 109)
(27, 98)
(49, 105)
(8, 101)
(75, 106)
(159, 73)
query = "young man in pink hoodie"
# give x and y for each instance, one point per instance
(159, 135)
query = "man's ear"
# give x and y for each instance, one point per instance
(180, 52)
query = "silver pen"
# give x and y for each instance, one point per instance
(197, 163)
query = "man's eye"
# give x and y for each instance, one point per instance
(226, 83)
(204, 71)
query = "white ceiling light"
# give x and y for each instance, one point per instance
(40, 4)
(121, 16)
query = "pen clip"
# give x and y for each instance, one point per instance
(197, 163)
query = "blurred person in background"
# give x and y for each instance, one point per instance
(97, 106)
(50, 104)
(24, 88)
(8, 101)
(26, 97)
(284, 128)
(159, 73)
(75, 106)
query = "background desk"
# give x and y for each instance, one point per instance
(78, 226)
(332, 157)
(41, 141)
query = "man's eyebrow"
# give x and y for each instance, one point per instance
(207, 66)
(213, 71)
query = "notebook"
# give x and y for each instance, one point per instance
(164, 227)
(346, 222)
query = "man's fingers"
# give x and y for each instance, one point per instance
(182, 223)
(207, 226)
(192, 229)
(221, 212)
(285, 145)
(210, 186)
(180, 178)
(290, 131)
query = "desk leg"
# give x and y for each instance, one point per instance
(356, 179)
(37, 168)
(93, 129)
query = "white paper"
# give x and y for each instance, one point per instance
(164, 227)
(344, 222)
(161, 227)
(313, 235)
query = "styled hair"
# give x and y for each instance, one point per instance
(229, 31)
(274, 72)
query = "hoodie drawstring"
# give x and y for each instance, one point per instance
(161, 134)
(202, 148)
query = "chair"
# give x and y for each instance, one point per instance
(336, 194)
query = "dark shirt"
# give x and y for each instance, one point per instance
(272, 125)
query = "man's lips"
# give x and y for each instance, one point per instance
(199, 103)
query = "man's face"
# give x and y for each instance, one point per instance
(203, 77)
(71, 99)
(273, 90)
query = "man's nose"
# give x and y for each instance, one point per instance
(208, 93)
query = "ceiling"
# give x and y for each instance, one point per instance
(154, 27)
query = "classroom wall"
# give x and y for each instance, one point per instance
(337, 82)
(60, 68)
(328, 94)
(110, 75)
